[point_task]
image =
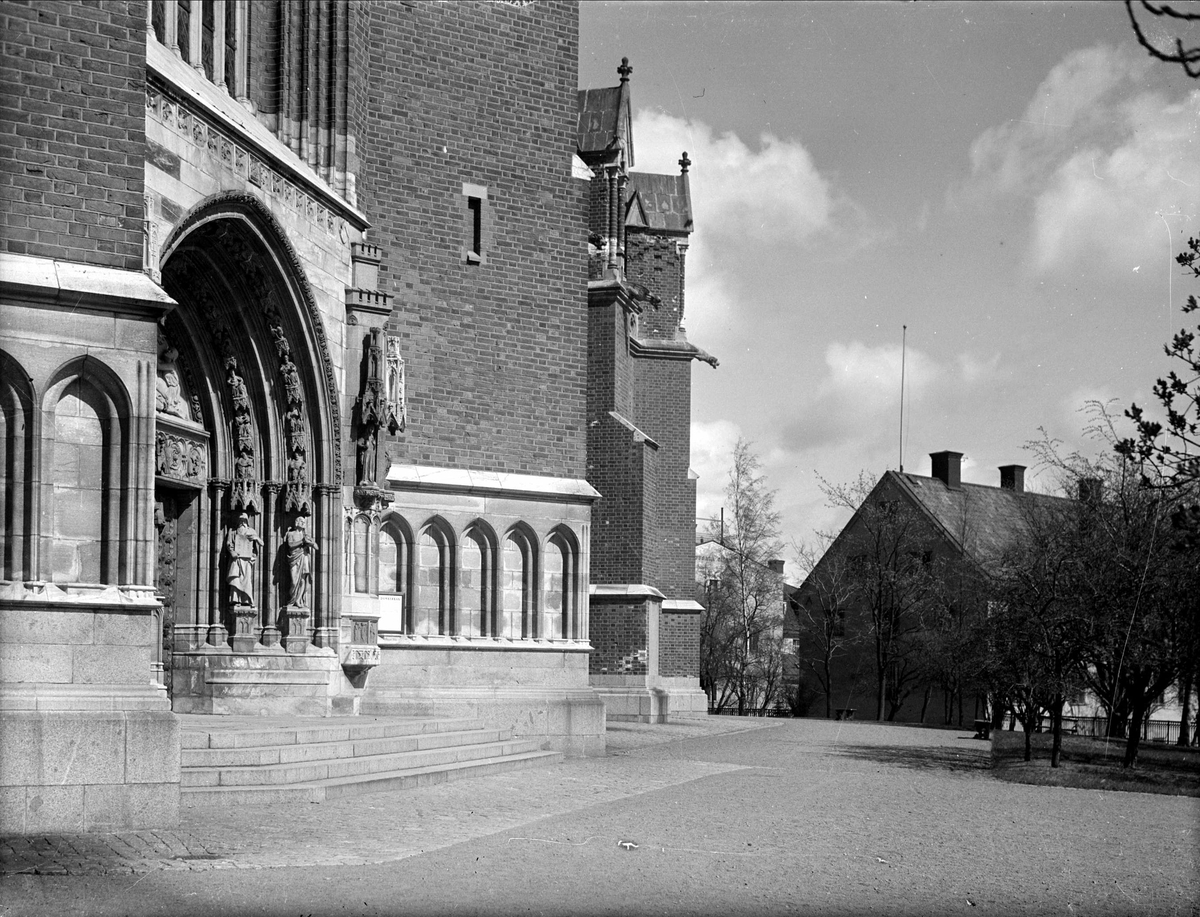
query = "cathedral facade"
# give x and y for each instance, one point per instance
(343, 373)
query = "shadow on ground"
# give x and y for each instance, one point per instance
(922, 758)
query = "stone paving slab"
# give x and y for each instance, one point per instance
(376, 827)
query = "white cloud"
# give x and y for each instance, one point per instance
(712, 455)
(755, 208)
(1105, 165)
(767, 196)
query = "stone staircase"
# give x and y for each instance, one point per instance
(269, 760)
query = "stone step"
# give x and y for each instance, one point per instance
(401, 779)
(265, 755)
(467, 747)
(202, 731)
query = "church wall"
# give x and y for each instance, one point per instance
(479, 100)
(664, 413)
(72, 129)
(654, 261)
(88, 739)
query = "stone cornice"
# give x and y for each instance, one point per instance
(80, 286)
(462, 480)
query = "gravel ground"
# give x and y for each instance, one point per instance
(723, 816)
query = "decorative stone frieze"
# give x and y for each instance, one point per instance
(178, 117)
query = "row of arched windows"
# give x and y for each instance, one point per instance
(473, 583)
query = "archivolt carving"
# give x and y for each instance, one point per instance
(253, 267)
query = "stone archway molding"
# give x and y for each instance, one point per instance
(244, 206)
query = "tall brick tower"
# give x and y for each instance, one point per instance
(644, 620)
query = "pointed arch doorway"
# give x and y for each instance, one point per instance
(247, 434)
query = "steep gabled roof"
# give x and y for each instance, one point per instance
(978, 520)
(660, 202)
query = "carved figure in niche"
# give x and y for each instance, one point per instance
(291, 382)
(367, 447)
(168, 394)
(282, 347)
(295, 426)
(394, 388)
(243, 467)
(237, 389)
(241, 544)
(298, 549)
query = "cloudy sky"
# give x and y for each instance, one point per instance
(1010, 180)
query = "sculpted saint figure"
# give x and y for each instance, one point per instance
(298, 548)
(241, 544)
(167, 394)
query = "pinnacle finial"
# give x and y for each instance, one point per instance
(625, 70)
(684, 162)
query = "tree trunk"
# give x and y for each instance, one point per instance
(1185, 717)
(1134, 739)
(1028, 744)
(1056, 708)
(925, 702)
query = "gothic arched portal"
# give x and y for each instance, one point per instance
(247, 422)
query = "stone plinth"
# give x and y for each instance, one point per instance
(535, 690)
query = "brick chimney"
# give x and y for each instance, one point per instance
(1012, 477)
(776, 566)
(947, 468)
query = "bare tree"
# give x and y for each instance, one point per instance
(1168, 20)
(744, 602)
(1134, 578)
(889, 546)
(822, 636)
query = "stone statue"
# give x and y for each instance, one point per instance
(168, 396)
(241, 544)
(298, 548)
(394, 388)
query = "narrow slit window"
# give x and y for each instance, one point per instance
(475, 224)
(475, 205)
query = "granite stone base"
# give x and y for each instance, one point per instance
(541, 693)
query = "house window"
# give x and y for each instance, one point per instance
(474, 223)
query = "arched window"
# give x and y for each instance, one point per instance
(433, 611)
(16, 468)
(395, 575)
(476, 579)
(517, 579)
(560, 617)
(84, 473)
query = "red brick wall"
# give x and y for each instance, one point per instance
(664, 413)
(653, 261)
(618, 633)
(624, 470)
(496, 353)
(73, 130)
(679, 645)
